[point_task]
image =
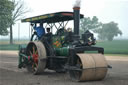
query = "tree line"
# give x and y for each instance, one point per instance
(105, 31)
(10, 12)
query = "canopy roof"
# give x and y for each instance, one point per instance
(52, 17)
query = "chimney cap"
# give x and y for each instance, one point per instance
(76, 8)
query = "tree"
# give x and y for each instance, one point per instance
(109, 31)
(6, 8)
(18, 14)
(89, 24)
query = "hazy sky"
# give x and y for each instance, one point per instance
(105, 10)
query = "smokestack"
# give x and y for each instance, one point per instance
(76, 19)
(76, 10)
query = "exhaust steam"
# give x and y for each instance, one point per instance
(77, 3)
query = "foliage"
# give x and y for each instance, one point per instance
(19, 10)
(6, 8)
(105, 31)
(18, 14)
(89, 24)
(108, 31)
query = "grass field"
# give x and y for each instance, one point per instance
(113, 47)
(9, 47)
(4, 44)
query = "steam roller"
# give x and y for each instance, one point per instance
(85, 67)
(64, 50)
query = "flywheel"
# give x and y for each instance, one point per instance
(94, 67)
(37, 51)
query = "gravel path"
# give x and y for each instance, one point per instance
(11, 75)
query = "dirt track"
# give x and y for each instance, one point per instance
(11, 75)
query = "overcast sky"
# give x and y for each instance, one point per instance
(105, 10)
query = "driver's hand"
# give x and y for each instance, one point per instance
(32, 24)
(35, 32)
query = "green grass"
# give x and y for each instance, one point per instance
(110, 47)
(9, 47)
(114, 47)
(124, 55)
(4, 44)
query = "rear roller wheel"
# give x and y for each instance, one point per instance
(94, 67)
(38, 53)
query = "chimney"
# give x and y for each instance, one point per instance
(76, 20)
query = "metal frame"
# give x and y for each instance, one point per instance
(61, 25)
(72, 55)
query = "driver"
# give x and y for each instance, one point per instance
(49, 35)
(40, 30)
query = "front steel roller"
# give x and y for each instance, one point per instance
(94, 67)
(37, 51)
